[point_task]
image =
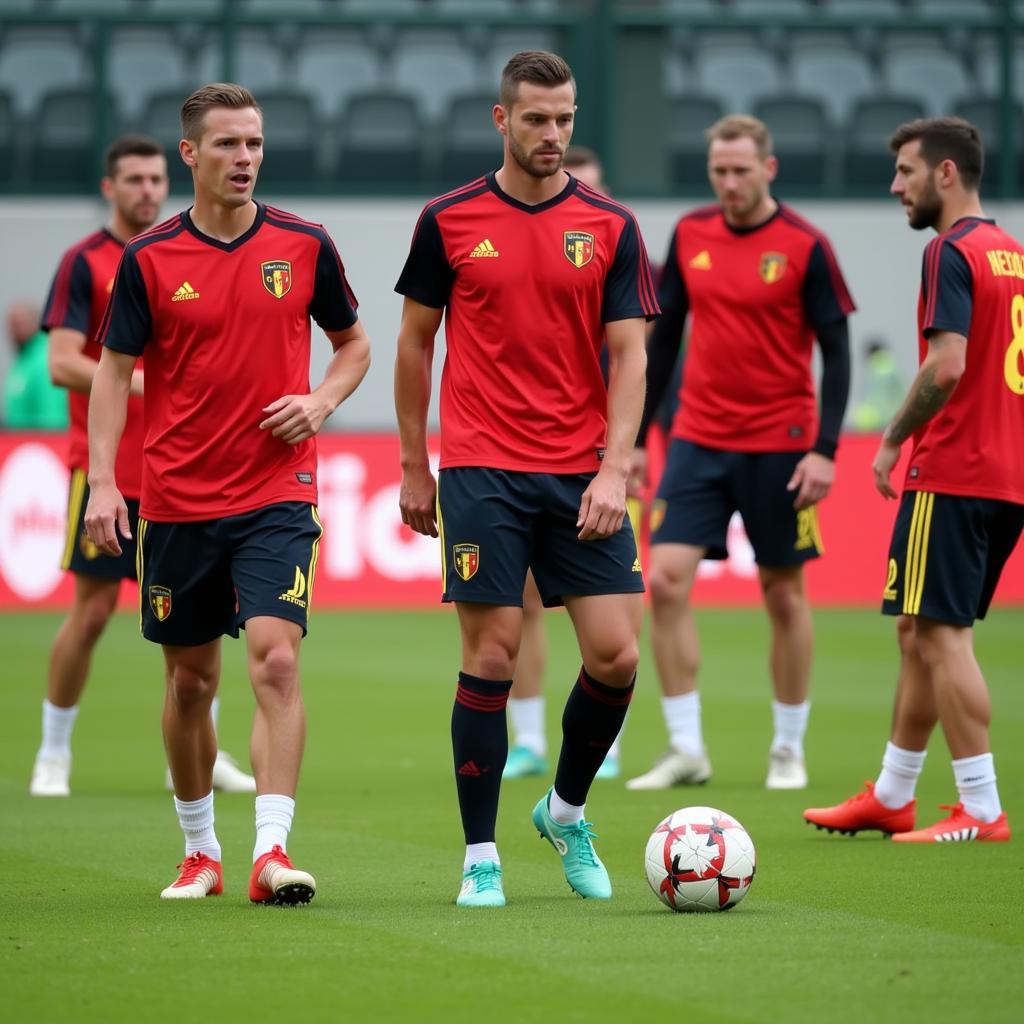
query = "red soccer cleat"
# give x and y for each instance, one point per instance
(198, 876)
(959, 827)
(275, 880)
(862, 813)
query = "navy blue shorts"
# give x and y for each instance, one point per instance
(199, 581)
(947, 555)
(495, 524)
(702, 487)
(81, 556)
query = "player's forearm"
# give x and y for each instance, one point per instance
(108, 409)
(346, 370)
(834, 342)
(627, 370)
(936, 379)
(412, 401)
(69, 366)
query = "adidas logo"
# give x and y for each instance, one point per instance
(636, 565)
(485, 248)
(958, 835)
(184, 293)
(702, 261)
(470, 769)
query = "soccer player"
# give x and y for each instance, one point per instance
(134, 186)
(219, 298)
(962, 508)
(533, 272)
(526, 710)
(759, 284)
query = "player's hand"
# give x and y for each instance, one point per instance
(417, 499)
(603, 506)
(636, 483)
(883, 465)
(812, 479)
(106, 515)
(295, 418)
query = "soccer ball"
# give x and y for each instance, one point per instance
(700, 858)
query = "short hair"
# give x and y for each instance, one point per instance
(742, 126)
(580, 156)
(945, 138)
(130, 145)
(537, 67)
(216, 94)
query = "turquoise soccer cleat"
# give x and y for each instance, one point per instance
(481, 886)
(522, 761)
(584, 871)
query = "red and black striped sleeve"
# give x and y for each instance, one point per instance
(69, 303)
(629, 289)
(128, 320)
(947, 289)
(334, 304)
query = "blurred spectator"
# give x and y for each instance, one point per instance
(31, 401)
(883, 389)
(584, 165)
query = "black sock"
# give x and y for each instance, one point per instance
(480, 745)
(593, 716)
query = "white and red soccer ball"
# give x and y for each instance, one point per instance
(700, 859)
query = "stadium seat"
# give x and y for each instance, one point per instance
(694, 7)
(827, 67)
(290, 158)
(75, 6)
(471, 145)
(381, 140)
(259, 62)
(862, 8)
(800, 129)
(688, 118)
(35, 61)
(988, 66)
(984, 113)
(926, 71)
(162, 120)
(143, 62)
(504, 42)
(432, 66)
(737, 75)
(62, 146)
(333, 64)
(8, 138)
(868, 164)
(771, 8)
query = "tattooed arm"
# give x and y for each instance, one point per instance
(936, 378)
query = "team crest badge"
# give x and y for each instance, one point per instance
(578, 247)
(467, 559)
(160, 602)
(277, 277)
(772, 267)
(658, 508)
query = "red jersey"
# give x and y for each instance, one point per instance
(972, 283)
(756, 298)
(527, 291)
(77, 299)
(225, 327)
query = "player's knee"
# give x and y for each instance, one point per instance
(785, 601)
(278, 668)
(615, 664)
(94, 613)
(666, 586)
(905, 636)
(493, 661)
(190, 688)
(936, 644)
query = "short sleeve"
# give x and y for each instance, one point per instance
(672, 295)
(128, 320)
(947, 289)
(629, 286)
(826, 298)
(427, 276)
(69, 303)
(333, 305)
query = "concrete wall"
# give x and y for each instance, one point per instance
(880, 257)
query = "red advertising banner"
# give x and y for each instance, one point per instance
(369, 559)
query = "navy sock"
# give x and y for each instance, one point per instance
(593, 716)
(480, 745)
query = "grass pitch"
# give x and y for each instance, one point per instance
(833, 929)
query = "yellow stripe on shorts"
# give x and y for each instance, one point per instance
(140, 531)
(917, 552)
(313, 556)
(76, 493)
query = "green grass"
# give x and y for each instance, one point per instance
(834, 929)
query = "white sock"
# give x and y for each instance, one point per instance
(57, 726)
(196, 820)
(563, 813)
(527, 714)
(274, 815)
(898, 778)
(476, 852)
(790, 725)
(214, 711)
(682, 718)
(615, 750)
(976, 783)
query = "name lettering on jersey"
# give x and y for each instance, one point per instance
(702, 261)
(1005, 263)
(772, 266)
(277, 277)
(578, 247)
(295, 595)
(160, 602)
(484, 249)
(466, 558)
(185, 293)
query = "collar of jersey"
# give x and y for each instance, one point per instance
(216, 243)
(962, 222)
(570, 189)
(753, 227)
